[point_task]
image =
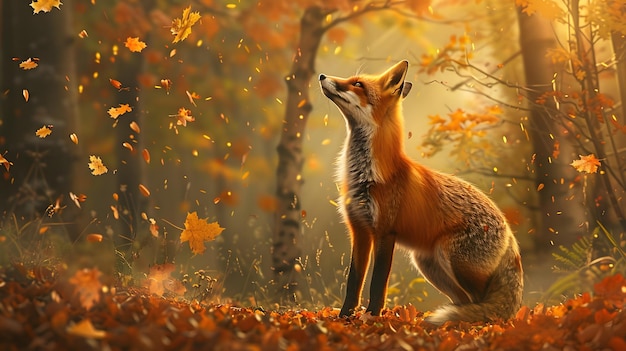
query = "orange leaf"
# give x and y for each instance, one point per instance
(146, 155)
(588, 164)
(556, 151)
(116, 84)
(135, 127)
(154, 228)
(43, 131)
(181, 27)
(85, 329)
(29, 64)
(45, 5)
(96, 165)
(87, 286)
(192, 96)
(183, 116)
(197, 231)
(144, 190)
(115, 112)
(160, 280)
(5, 162)
(134, 44)
(94, 238)
(74, 138)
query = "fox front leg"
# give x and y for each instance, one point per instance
(361, 249)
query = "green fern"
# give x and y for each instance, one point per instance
(575, 257)
(585, 263)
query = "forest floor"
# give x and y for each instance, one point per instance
(40, 310)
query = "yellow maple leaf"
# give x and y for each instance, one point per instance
(96, 165)
(29, 64)
(181, 27)
(115, 112)
(588, 164)
(197, 231)
(43, 131)
(87, 286)
(45, 5)
(134, 44)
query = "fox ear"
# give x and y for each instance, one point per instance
(395, 77)
(406, 88)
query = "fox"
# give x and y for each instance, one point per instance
(454, 233)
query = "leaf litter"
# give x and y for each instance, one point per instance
(39, 310)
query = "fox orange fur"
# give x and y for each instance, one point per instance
(457, 237)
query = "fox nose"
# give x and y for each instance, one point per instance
(322, 77)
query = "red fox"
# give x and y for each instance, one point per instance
(457, 237)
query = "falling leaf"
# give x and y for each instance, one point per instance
(154, 228)
(181, 27)
(197, 231)
(5, 162)
(183, 116)
(146, 155)
(588, 164)
(116, 84)
(74, 138)
(115, 112)
(83, 34)
(166, 84)
(94, 238)
(45, 5)
(85, 329)
(87, 286)
(43, 131)
(556, 151)
(77, 199)
(25, 94)
(144, 190)
(96, 165)
(134, 44)
(29, 64)
(116, 213)
(135, 127)
(192, 96)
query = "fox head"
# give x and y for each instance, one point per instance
(368, 100)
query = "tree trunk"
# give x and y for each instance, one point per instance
(287, 229)
(563, 217)
(130, 164)
(42, 168)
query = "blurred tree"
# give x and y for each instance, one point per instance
(43, 96)
(554, 177)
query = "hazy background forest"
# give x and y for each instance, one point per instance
(213, 107)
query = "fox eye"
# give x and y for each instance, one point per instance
(358, 84)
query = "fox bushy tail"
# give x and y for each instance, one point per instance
(503, 297)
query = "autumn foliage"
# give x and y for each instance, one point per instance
(82, 312)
